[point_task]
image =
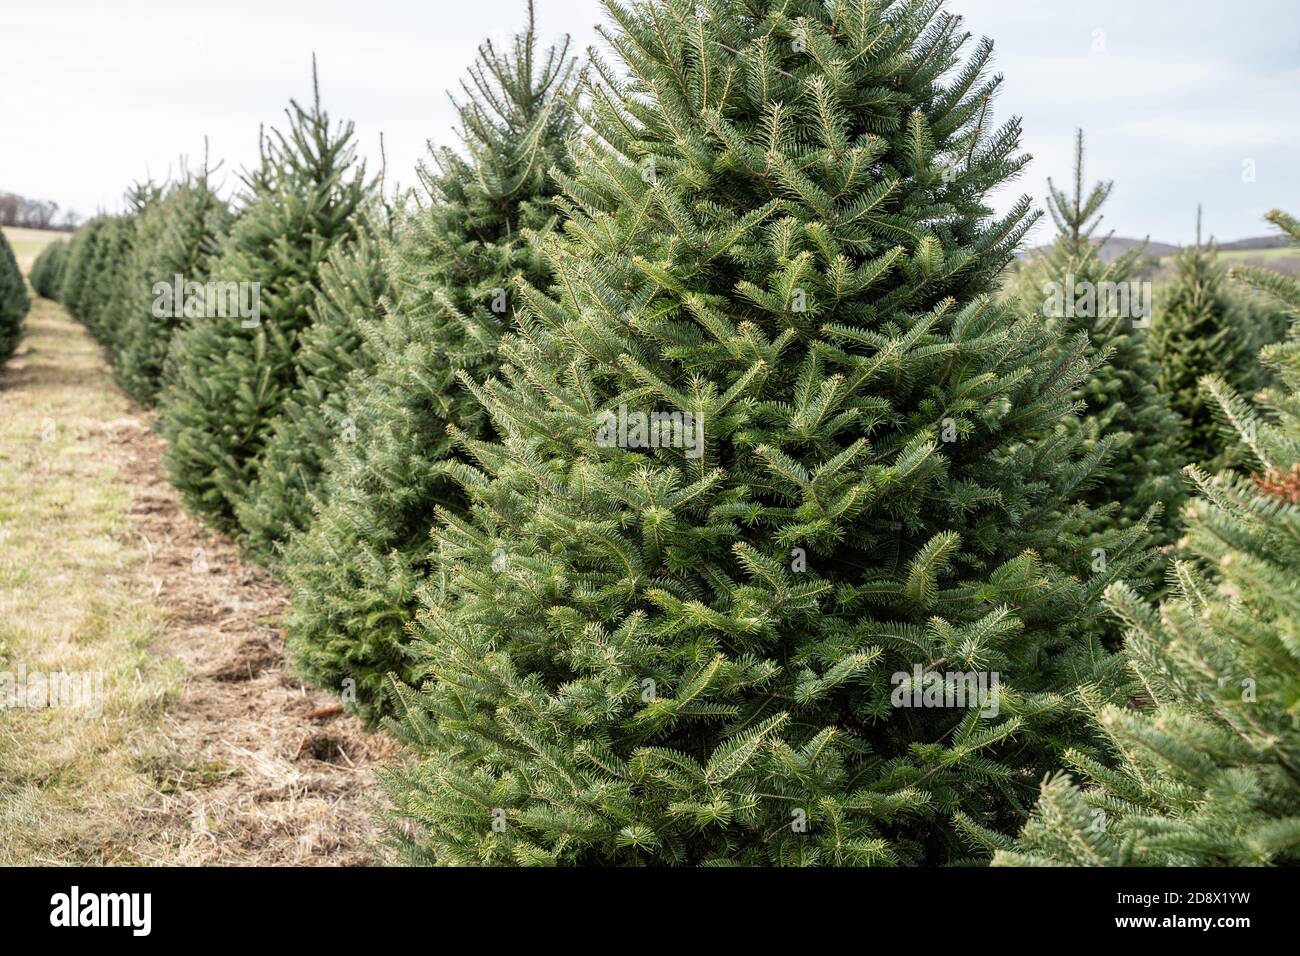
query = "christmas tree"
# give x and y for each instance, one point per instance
(176, 241)
(1202, 768)
(355, 573)
(76, 290)
(13, 300)
(1201, 329)
(779, 486)
(1074, 287)
(231, 369)
(352, 284)
(101, 300)
(47, 271)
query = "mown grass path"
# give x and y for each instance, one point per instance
(191, 743)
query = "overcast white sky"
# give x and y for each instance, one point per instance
(1180, 93)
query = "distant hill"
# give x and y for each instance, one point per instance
(1261, 242)
(1116, 246)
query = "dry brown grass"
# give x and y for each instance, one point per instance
(205, 751)
(28, 243)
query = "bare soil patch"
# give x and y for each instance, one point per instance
(251, 775)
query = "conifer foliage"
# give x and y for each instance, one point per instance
(355, 573)
(1074, 287)
(77, 290)
(47, 271)
(685, 645)
(229, 374)
(1201, 329)
(1204, 760)
(14, 300)
(352, 284)
(176, 241)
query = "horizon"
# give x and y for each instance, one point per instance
(1180, 97)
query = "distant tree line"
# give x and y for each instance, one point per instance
(18, 210)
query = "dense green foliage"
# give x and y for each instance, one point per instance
(1201, 328)
(313, 417)
(77, 289)
(47, 271)
(14, 300)
(1076, 288)
(228, 374)
(684, 477)
(354, 574)
(1202, 768)
(96, 282)
(176, 240)
(685, 653)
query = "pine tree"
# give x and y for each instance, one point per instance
(228, 375)
(82, 248)
(354, 575)
(698, 645)
(14, 301)
(1201, 329)
(1203, 765)
(177, 236)
(352, 284)
(1074, 288)
(48, 269)
(101, 302)
(96, 292)
(1281, 289)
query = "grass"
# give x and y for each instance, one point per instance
(70, 601)
(28, 243)
(1280, 254)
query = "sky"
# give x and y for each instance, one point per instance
(1182, 101)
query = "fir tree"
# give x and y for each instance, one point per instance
(177, 236)
(102, 299)
(47, 271)
(1073, 287)
(1201, 329)
(75, 293)
(354, 574)
(698, 646)
(228, 375)
(1281, 289)
(352, 284)
(14, 301)
(1203, 765)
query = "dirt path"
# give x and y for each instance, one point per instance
(206, 750)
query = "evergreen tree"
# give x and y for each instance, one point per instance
(1203, 761)
(177, 236)
(1201, 329)
(47, 271)
(96, 292)
(101, 301)
(82, 248)
(698, 646)
(1282, 289)
(14, 301)
(228, 375)
(352, 283)
(354, 575)
(1070, 286)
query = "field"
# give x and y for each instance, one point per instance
(194, 745)
(710, 440)
(27, 243)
